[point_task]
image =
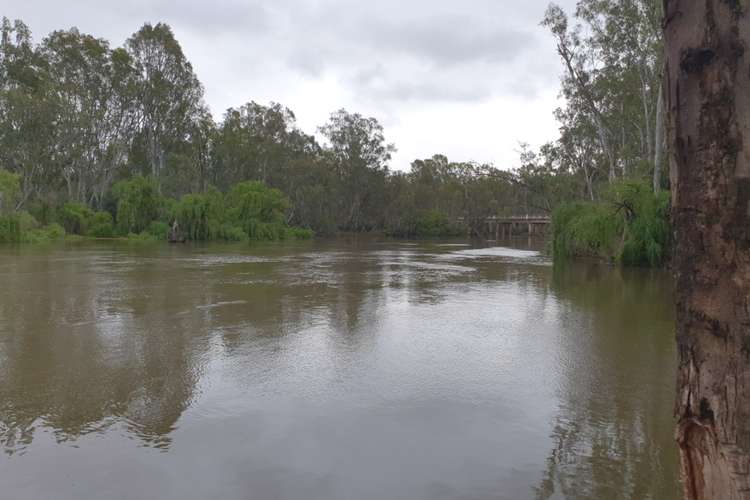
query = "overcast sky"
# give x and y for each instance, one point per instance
(466, 78)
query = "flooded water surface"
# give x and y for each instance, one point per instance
(344, 369)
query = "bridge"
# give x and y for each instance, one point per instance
(502, 227)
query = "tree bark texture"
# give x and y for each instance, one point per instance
(659, 137)
(708, 105)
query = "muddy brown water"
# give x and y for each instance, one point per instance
(332, 369)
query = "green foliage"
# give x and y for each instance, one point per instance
(27, 222)
(48, 233)
(79, 219)
(425, 224)
(252, 200)
(101, 225)
(75, 217)
(143, 237)
(199, 216)
(431, 224)
(10, 229)
(158, 230)
(648, 229)
(22, 227)
(9, 189)
(138, 204)
(257, 210)
(232, 233)
(631, 226)
(250, 211)
(585, 229)
(298, 233)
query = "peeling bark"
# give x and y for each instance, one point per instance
(707, 90)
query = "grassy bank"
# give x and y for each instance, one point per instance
(630, 225)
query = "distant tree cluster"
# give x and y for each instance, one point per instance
(77, 117)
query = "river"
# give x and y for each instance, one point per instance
(351, 368)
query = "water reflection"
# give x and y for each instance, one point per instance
(88, 342)
(341, 369)
(612, 437)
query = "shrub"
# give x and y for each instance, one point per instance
(424, 224)
(27, 222)
(10, 228)
(138, 204)
(158, 230)
(53, 231)
(48, 233)
(299, 233)
(232, 233)
(10, 186)
(258, 210)
(101, 225)
(586, 229)
(432, 224)
(200, 215)
(254, 200)
(648, 229)
(630, 226)
(75, 217)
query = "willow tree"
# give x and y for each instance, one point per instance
(708, 103)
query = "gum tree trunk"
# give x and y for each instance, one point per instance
(659, 138)
(708, 104)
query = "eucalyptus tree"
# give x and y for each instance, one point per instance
(27, 123)
(257, 142)
(613, 61)
(547, 178)
(708, 102)
(202, 136)
(168, 93)
(192, 166)
(574, 152)
(579, 86)
(360, 155)
(436, 185)
(93, 87)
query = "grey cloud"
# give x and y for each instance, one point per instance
(451, 41)
(429, 91)
(215, 17)
(390, 50)
(440, 39)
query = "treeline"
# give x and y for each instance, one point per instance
(78, 118)
(603, 177)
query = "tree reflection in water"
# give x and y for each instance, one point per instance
(610, 439)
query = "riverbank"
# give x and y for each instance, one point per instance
(248, 211)
(629, 225)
